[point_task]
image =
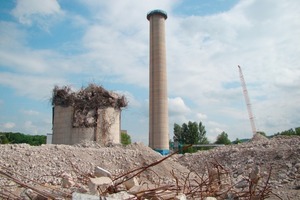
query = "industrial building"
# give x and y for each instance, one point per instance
(158, 95)
(92, 114)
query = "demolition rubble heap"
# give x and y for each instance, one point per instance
(86, 102)
(259, 169)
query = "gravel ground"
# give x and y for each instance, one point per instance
(47, 164)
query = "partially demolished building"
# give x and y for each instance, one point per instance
(92, 114)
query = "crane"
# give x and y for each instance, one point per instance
(247, 100)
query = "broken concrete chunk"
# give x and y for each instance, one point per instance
(137, 189)
(119, 195)
(100, 172)
(67, 180)
(210, 198)
(180, 197)
(131, 182)
(242, 184)
(67, 183)
(100, 182)
(79, 196)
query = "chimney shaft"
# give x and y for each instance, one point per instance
(158, 96)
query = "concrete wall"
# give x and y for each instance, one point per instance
(107, 129)
(109, 126)
(62, 125)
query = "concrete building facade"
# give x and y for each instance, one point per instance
(106, 130)
(158, 96)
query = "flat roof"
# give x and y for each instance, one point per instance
(157, 12)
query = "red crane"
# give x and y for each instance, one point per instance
(247, 100)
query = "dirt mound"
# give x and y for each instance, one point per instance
(258, 137)
(280, 155)
(47, 164)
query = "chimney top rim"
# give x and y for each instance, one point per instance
(157, 12)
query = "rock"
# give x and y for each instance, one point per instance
(259, 138)
(67, 181)
(119, 195)
(242, 184)
(138, 190)
(131, 182)
(102, 182)
(210, 198)
(79, 196)
(180, 197)
(282, 176)
(28, 194)
(255, 174)
(99, 172)
(289, 165)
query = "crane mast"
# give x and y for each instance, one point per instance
(247, 100)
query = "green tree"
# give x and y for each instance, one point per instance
(178, 136)
(297, 130)
(202, 134)
(237, 141)
(125, 138)
(190, 133)
(288, 132)
(185, 133)
(223, 139)
(3, 139)
(17, 138)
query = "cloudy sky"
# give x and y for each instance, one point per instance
(63, 42)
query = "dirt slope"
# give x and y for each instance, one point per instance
(46, 164)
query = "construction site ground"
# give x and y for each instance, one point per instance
(42, 169)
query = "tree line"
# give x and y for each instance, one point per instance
(18, 138)
(289, 132)
(36, 140)
(195, 133)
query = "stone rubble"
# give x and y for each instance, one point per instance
(89, 168)
(256, 158)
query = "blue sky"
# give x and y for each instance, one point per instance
(63, 42)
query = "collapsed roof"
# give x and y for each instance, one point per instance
(90, 97)
(87, 102)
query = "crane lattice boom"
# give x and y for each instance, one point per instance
(247, 100)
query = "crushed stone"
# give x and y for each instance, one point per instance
(49, 164)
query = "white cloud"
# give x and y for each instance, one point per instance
(30, 127)
(33, 11)
(8, 125)
(202, 58)
(132, 101)
(177, 106)
(30, 112)
(201, 116)
(204, 53)
(36, 87)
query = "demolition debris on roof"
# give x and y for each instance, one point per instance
(91, 97)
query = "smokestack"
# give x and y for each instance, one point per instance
(158, 96)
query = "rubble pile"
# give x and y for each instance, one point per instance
(136, 171)
(279, 155)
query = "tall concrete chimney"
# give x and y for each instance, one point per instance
(158, 96)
